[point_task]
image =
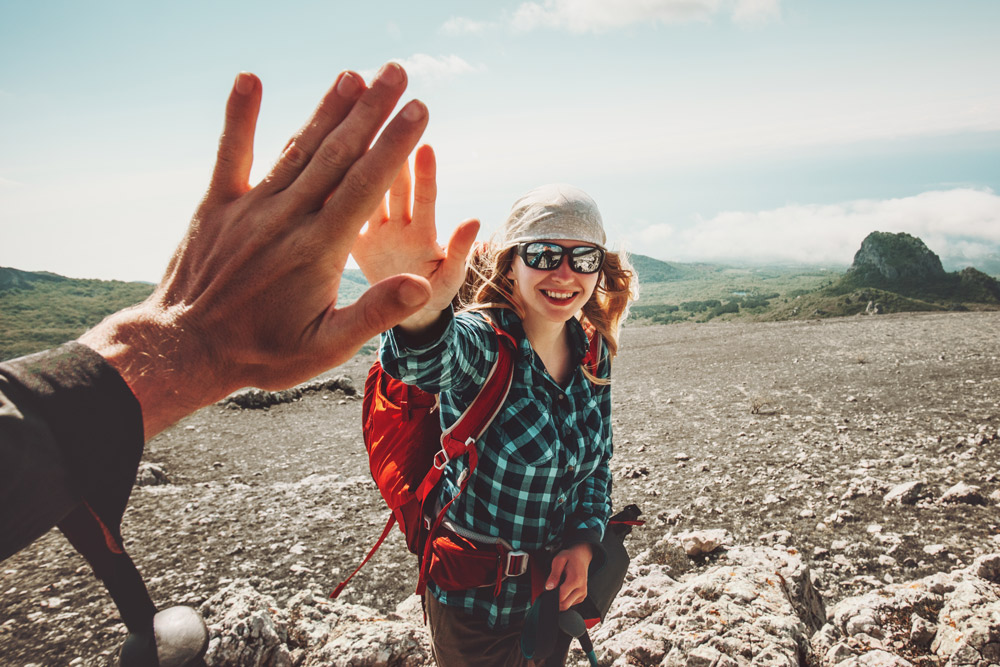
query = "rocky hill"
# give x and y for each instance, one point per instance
(903, 264)
(894, 273)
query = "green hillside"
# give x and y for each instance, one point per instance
(40, 310)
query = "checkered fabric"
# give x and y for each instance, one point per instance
(543, 479)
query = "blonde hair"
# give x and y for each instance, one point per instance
(487, 286)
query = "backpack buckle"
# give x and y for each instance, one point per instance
(441, 459)
(516, 565)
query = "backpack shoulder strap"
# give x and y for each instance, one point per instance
(460, 438)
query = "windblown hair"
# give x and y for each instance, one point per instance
(487, 286)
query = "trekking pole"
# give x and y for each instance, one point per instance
(588, 648)
(572, 623)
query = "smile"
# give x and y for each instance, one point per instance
(558, 296)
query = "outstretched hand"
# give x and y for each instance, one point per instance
(249, 297)
(403, 239)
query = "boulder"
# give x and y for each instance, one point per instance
(947, 619)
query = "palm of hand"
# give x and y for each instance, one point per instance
(401, 239)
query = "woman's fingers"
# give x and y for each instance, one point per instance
(424, 191)
(235, 155)
(452, 269)
(399, 196)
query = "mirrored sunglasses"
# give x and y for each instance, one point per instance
(546, 256)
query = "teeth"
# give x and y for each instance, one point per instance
(558, 295)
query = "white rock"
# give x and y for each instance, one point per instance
(700, 542)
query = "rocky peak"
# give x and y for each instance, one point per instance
(896, 258)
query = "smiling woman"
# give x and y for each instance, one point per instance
(539, 485)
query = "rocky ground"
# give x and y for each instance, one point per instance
(787, 436)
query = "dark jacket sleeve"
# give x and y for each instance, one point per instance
(70, 432)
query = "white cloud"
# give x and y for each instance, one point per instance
(458, 25)
(436, 68)
(953, 223)
(600, 15)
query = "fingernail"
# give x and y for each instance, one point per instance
(411, 293)
(348, 86)
(245, 83)
(391, 74)
(414, 111)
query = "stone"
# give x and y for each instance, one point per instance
(151, 474)
(700, 542)
(904, 494)
(963, 493)
(181, 636)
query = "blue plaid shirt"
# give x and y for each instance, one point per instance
(543, 479)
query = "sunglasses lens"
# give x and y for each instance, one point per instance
(543, 256)
(587, 260)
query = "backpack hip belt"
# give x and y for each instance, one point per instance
(460, 559)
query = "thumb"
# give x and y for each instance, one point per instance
(382, 306)
(555, 574)
(459, 246)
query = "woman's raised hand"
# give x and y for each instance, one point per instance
(402, 238)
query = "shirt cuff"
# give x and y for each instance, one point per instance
(428, 339)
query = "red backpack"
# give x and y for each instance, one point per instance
(407, 450)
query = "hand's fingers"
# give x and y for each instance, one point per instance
(573, 589)
(424, 191)
(381, 307)
(235, 154)
(370, 176)
(379, 215)
(453, 268)
(345, 144)
(399, 195)
(555, 573)
(332, 110)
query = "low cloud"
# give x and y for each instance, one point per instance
(581, 16)
(436, 68)
(959, 223)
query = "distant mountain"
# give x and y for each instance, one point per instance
(13, 278)
(894, 273)
(655, 271)
(903, 264)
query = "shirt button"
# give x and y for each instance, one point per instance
(561, 397)
(571, 467)
(562, 499)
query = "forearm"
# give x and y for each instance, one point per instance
(167, 369)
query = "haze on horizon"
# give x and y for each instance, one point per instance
(731, 131)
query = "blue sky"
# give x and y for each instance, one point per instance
(707, 130)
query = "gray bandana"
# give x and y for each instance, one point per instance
(551, 212)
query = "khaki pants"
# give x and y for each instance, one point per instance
(459, 640)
